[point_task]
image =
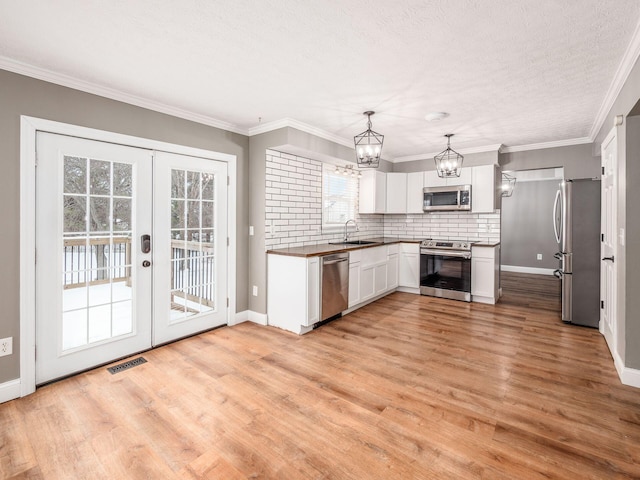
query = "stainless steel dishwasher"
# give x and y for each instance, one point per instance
(334, 284)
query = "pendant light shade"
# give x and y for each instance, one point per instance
(368, 146)
(448, 162)
(508, 183)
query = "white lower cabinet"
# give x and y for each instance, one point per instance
(355, 258)
(392, 267)
(372, 273)
(293, 292)
(409, 267)
(485, 274)
(380, 278)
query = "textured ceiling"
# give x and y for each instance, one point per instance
(512, 72)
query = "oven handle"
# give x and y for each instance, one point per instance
(446, 253)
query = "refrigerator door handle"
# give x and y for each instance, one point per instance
(555, 216)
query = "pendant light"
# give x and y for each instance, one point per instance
(368, 145)
(448, 162)
(508, 183)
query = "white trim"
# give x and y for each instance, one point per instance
(519, 269)
(114, 94)
(540, 146)
(630, 376)
(465, 151)
(27, 255)
(28, 128)
(259, 318)
(622, 73)
(304, 127)
(9, 390)
(240, 317)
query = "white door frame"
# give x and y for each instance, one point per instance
(28, 128)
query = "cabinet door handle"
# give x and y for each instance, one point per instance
(611, 258)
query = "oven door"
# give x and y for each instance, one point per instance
(445, 274)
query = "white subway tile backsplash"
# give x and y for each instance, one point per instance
(294, 212)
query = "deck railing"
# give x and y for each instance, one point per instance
(98, 260)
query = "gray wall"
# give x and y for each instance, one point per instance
(527, 228)
(632, 288)
(578, 160)
(20, 95)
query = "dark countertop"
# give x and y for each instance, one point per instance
(326, 248)
(485, 244)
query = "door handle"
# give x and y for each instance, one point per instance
(146, 263)
(612, 258)
(145, 243)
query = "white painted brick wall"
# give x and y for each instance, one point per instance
(293, 213)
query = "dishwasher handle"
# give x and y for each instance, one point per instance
(333, 262)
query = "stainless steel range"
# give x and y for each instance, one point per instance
(445, 269)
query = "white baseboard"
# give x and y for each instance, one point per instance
(259, 318)
(9, 390)
(239, 318)
(249, 316)
(518, 269)
(630, 376)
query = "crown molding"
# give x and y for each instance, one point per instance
(465, 151)
(304, 127)
(554, 144)
(622, 73)
(113, 94)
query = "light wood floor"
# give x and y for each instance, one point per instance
(410, 387)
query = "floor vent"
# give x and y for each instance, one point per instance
(126, 365)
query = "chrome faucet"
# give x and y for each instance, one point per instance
(346, 232)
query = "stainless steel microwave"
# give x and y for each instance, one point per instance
(451, 197)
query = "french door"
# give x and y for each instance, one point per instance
(130, 251)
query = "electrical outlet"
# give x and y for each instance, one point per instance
(539, 256)
(6, 346)
(255, 290)
(250, 230)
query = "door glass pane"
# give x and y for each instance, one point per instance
(96, 259)
(192, 244)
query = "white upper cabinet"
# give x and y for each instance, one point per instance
(396, 193)
(415, 184)
(431, 178)
(483, 189)
(372, 196)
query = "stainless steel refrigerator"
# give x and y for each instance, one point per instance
(576, 222)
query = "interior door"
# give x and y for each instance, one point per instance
(608, 248)
(190, 246)
(93, 290)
